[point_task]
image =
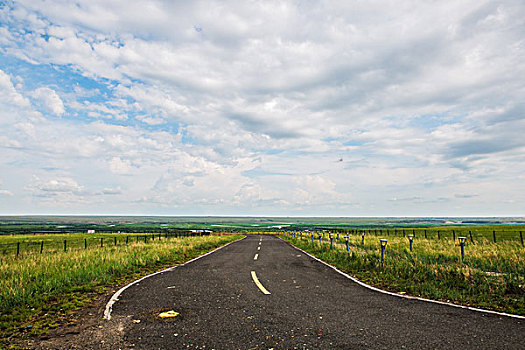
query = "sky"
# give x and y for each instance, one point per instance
(267, 108)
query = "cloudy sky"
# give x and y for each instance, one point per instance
(291, 108)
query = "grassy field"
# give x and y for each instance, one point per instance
(141, 224)
(492, 276)
(36, 290)
(475, 234)
(36, 243)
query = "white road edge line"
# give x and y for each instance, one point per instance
(402, 295)
(261, 287)
(256, 256)
(114, 298)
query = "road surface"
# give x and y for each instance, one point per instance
(262, 293)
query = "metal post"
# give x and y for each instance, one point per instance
(363, 238)
(320, 236)
(383, 243)
(331, 241)
(411, 239)
(65, 245)
(347, 246)
(85, 243)
(41, 247)
(494, 236)
(521, 237)
(101, 242)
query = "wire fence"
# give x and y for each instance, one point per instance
(52, 245)
(473, 235)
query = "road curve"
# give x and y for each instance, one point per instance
(222, 305)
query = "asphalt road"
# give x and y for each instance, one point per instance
(310, 306)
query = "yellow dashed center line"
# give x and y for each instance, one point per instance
(261, 287)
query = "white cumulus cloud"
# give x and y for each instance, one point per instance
(50, 100)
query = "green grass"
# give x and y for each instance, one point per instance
(37, 290)
(502, 233)
(73, 241)
(492, 276)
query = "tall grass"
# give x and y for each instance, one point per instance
(35, 285)
(492, 276)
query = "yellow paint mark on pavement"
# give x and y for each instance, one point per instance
(167, 314)
(261, 287)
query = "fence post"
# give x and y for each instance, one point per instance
(383, 243)
(17, 248)
(521, 237)
(65, 245)
(145, 237)
(115, 240)
(85, 243)
(462, 245)
(454, 235)
(494, 235)
(127, 237)
(41, 247)
(439, 237)
(101, 242)
(425, 234)
(470, 234)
